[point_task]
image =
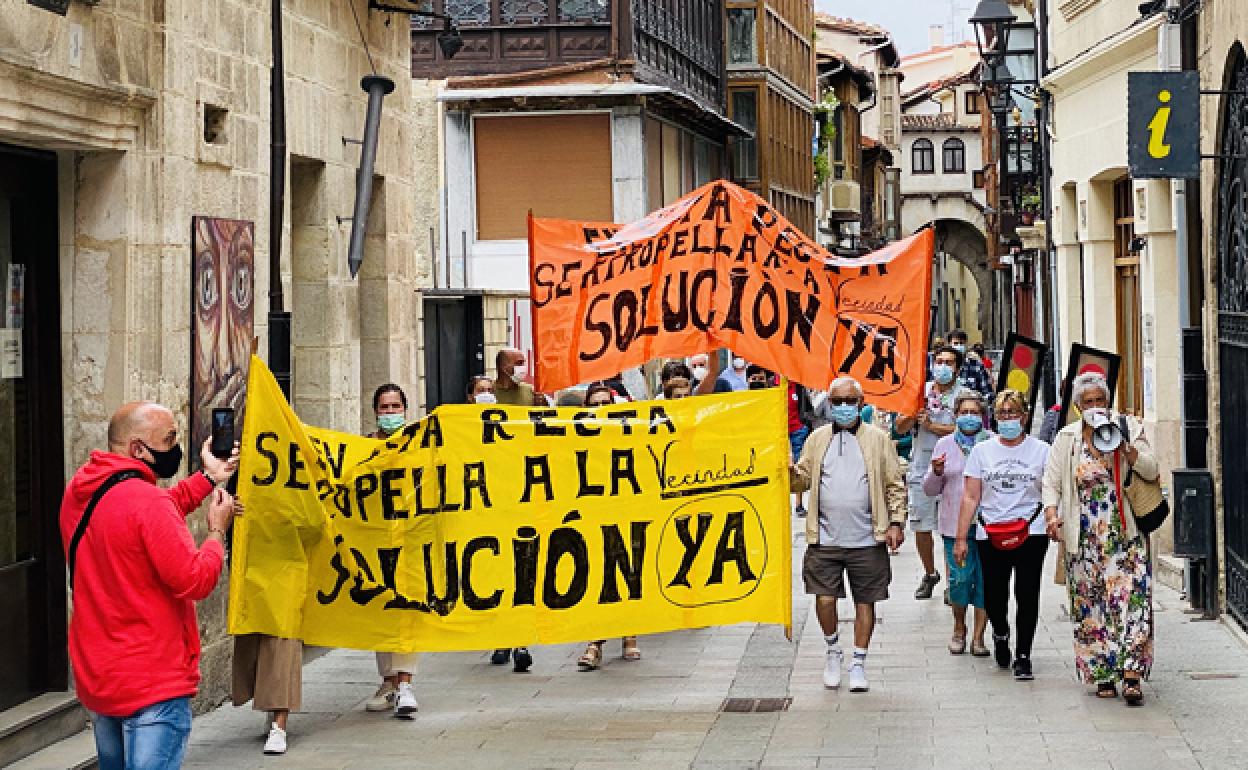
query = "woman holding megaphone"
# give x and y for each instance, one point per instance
(1107, 560)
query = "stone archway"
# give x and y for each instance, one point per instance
(964, 242)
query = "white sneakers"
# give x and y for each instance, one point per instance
(405, 701)
(383, 699)
(832, 672)
(858, 678)
(401, 700)
(832, 668)
(276, 744)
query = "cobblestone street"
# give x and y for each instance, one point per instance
(926, 708)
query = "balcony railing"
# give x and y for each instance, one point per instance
(510, 13)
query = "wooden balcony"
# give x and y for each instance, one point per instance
(673, 43)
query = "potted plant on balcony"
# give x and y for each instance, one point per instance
(1029, 205)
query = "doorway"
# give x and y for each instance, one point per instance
(454, 347)
(32, 564)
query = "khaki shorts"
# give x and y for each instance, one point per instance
(869, 568)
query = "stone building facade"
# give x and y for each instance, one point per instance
(119, 122)
(1115, 236)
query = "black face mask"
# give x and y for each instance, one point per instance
(165, 463)
(757, 385)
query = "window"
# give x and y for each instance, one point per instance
(838, 144)
(972, 102)
(594, 11)
(745, 148)
(742, 37)
(469, 13)
(524, 11)
(922, 157)
(953, 153)
(977, 180)
(564, 160)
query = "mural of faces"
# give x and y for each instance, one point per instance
(223, 321)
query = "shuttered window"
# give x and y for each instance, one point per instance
(556, 165)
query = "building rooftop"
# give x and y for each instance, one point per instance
(932, 86)
(840, 24)
(938, 49)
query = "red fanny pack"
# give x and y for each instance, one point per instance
(1008, 535)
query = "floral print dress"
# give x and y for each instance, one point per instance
(1110, 582)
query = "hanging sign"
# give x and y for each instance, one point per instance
(1163, 125)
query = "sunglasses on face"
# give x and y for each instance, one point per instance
(834, 401)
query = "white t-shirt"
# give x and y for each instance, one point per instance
(845, 495)
(1012, 479)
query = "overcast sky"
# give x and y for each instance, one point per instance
(908, 20)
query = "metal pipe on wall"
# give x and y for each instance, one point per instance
(377, 86)
(279, 318)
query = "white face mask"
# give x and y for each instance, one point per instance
(1094, 415)
(738, 363)
(485, 398)
(699, 372)
(518, 371)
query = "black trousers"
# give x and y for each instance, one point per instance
(1025, 564)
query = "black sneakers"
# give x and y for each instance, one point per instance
(500, 657)
(1022, 670)
(924, 591)
(1001, 650)
(522, 659)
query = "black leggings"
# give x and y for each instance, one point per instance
(1026, 563)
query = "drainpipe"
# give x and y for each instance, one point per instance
(279, 318)
(1054, 372)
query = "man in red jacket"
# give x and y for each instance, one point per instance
(135, 574)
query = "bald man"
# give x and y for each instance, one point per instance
(136, 574)
(509, 386)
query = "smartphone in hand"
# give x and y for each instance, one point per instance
(222, 433)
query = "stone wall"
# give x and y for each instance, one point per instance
(122, 90)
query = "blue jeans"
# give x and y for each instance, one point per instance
(153, 738)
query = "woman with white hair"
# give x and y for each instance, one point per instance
(1107, 561)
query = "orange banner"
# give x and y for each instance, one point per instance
(721, 268)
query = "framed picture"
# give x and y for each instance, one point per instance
(1022, 363)
(222, 322)
(1084, 360)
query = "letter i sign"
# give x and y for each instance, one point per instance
(1163, 125)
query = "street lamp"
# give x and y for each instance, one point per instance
(999, 99)
(449, 40)
(992, 20)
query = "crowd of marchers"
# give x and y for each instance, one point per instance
(965, 466)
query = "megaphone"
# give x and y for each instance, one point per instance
(1106, 435)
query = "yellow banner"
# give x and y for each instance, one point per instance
(484, 527)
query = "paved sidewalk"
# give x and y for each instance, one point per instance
(926, 708)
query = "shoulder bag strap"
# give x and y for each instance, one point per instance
(81, 529)
(1125, 427)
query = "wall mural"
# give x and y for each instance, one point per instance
(222, 321)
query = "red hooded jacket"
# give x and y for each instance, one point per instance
(133, 638)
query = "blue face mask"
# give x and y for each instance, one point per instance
(844, 415)
(970, 424)
(1010, 429)
(959, 348)
(389, 423)
(943, 373)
